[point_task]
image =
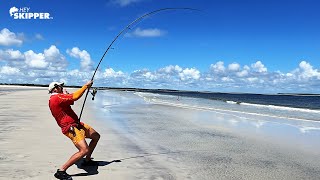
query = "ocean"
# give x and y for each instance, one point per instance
(295, 107)
(284, 100)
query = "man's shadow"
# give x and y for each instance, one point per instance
(91, 170)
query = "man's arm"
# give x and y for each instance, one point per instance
(77, 95)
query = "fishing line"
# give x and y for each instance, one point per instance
(124, 31)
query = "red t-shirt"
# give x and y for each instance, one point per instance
(60, 106)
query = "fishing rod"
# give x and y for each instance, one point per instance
(123, 31)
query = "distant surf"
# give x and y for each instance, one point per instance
(310, 101)
(243, 109)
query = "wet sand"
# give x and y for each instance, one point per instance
(142, 140)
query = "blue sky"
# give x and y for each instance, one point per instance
(229, 46)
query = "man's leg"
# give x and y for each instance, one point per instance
(83, 150)
(94, 136)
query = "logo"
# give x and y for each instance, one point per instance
(25, 13)
(13, 10)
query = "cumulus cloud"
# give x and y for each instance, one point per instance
(244, 72)
(218, 67)
(259, 67)
(12, 57)
(252, 79)
(35, 60)
(144, 74)
(170, 69)
(307, 71)
(138, 32)
(56, 60)
(109, 72)
(227, 79)
(7, 70)
(8, 38)
(234, 67)
(84, 56)
(191, 73)
(51, 65)
(50, 59)
(30, 66)
(234, 78)
(172, 76)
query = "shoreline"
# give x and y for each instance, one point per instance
(162, 90)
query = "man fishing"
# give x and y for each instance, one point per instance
(60, 106)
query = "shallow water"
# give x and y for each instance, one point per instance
(214, 139)
(292, 126)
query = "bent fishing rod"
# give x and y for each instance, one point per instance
(123, 31)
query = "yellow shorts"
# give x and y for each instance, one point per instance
(80, 134)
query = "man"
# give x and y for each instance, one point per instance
(60, 106)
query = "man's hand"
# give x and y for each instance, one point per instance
(89, 84)
(79, 93)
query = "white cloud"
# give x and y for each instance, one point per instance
(253, 79)
(170, 69)
(109, 72)
(51, 65)
(74, 72)
(6, 70)
(10, 54)
(234, 67)
(138, 32)
(84, 56)
(13, 58)
(143, 74)
(52, 52)
(35, 60)
(227, 79)
(8, 38)
(149, 75)
(124, 3)
(242, 73)
(247, 68)
(218, 67)
(56, 60)
(259, 67)
(307, 71)
(50, 59)
(191, 73)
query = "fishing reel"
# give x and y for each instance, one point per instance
(93, 92)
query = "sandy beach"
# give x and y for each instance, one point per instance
(141, 140)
